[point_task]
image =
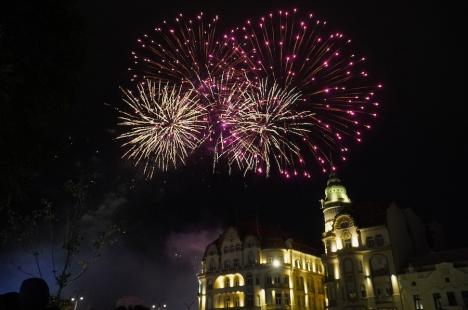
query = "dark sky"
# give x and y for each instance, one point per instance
(415, 155)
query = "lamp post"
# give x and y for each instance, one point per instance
(159, 305)
(75, 301)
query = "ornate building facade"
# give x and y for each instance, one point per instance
(359, 263)
(251, 271)
(367, 252)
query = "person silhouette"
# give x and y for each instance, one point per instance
(34, 294)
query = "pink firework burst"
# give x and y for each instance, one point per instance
(185, 51)
(296, 51)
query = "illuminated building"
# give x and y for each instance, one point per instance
(436, 281)
(359, 263)
(251, 271)
(368, 249)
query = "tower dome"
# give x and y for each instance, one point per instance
(335, 192)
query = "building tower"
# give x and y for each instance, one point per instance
(359, 269)
(336, 199)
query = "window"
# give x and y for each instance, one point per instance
(248, 279)
(227, 302)
(464, 295)
(350, 288)
(232, 247)
(278, 298)
(257, 281)
(447, 280)
(344, 224)
(363, 291)
(236, 281)
(236, 262)
(277, 279)
(379, 241)
(388, 289)
(227, 264)
(211, 266)
(268, 298)
(286, 299)
(210, 284)
(249, 300)
(417, 302)
(286, 280)
(437, 301)
(370, 242)
(451, 299)
(258, 301)
(311, 285)
(238, 247)
(347, 243)
(226, 249)
(379, 265)
(267, 279)
(250, 259)
(348, 265)
(236, 301)
(227, 283)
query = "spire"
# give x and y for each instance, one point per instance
(333, 179)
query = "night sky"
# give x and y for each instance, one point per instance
(68, 63)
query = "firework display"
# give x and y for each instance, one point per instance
(164, 125)
(277, 93)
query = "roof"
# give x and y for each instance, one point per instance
(269, 237)
(449, 256)
(369, 214)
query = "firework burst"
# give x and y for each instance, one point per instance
(298, 52)
(163, 127)
(183, 51)
(263, 128)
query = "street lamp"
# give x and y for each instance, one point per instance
(75, 301)
(159, 306)
(276, 263)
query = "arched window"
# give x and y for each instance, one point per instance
(227, 302)
(236, 281)
(236, 301)
(227, 282)
(347, 265)
(379, 265)
(346, 237)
